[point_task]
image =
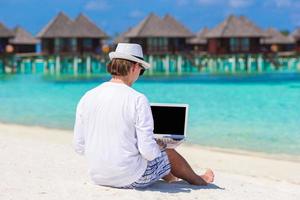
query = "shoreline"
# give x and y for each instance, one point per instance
(275, 156)
(283, 157)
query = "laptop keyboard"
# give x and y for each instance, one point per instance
(169, 140)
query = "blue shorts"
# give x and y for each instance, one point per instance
(156, 169)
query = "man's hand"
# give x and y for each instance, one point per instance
(161, 144)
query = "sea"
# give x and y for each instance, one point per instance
(252, 112)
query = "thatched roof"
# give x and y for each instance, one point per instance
(5, 32)
(22, 37)
(63, 26)
(177, 29)
(277, 38)
(234, 26)
(296, 34)
(60, 26)
(121, 38)
(199, 38)
(153, 26)
(84, 27)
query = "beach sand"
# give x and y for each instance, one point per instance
(39, 163)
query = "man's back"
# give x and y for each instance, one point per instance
(107, 118)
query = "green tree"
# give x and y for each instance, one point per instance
(285, 32)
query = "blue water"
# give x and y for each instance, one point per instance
(256, 113)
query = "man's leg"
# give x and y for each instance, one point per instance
(181, 169)
(170, 178)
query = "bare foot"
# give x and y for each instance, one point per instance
(208, 176)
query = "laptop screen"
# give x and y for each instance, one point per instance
(169, 119)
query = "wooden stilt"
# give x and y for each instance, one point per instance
(260, 64)
(22, 67)
(233, 64)
(166, 62)
(211, 65)
(57, 65)
(291, 63)
(45, 65)
(242, 64)
(88, 65)
(179, 64)
(33, 67)
(152, 64)
(75, 66)
(226, 66)
(249, 64)
(196, 61)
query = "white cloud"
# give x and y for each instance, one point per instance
(136, 14)
(99, 5)
(240, 3)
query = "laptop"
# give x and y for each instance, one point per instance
(170, 122)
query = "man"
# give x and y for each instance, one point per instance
(114, 130)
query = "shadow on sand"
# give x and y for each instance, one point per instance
(180, 186)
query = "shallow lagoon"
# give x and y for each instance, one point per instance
(256, 113)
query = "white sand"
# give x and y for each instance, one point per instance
(38, 163)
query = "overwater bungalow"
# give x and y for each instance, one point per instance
(65, 36)
(5, 35)
(277, 42)
(235, 35)
(160, 36)
(296, 36)
(120, 38)
(198, 44)
(23, 42)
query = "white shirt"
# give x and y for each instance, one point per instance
(114, 129)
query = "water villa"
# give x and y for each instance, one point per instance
(65, 36)
(160, 36)
(235, 35)
(5, 35)
(198, 44)
(23, 42)
(120, 38)
(68, 46)
(277, 42)
(296, 35)
(77, 46)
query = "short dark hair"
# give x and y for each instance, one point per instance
(119, 67)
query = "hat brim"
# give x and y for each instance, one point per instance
(114, 54)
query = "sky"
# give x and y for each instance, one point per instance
(116, 16)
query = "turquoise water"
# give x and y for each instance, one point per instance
(256, 113)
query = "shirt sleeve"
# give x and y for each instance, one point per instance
(144, 130)
(78, 138)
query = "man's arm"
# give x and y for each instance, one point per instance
(144, 130)
(78, 138)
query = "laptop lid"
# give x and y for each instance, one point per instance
(170, 119)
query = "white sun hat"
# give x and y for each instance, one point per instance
(129, 51)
